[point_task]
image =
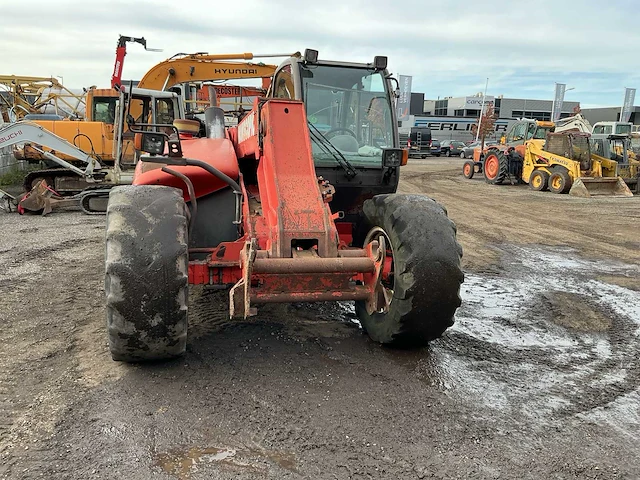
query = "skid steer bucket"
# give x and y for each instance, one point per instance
(600, 186)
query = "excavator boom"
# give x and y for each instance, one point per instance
(204, 67)
(27, 132)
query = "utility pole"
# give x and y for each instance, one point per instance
(482, 109)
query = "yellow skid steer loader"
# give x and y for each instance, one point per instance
(560, 162)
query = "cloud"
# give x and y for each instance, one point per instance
(449, 48)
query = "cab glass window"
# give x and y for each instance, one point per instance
(349, 114)
(104, 109)
(517, 133)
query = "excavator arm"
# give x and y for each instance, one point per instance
(205, 67)
(577, 122)
(27, 132)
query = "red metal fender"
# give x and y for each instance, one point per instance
(218, 152)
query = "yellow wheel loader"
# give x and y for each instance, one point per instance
(616, 154)
(559, 162)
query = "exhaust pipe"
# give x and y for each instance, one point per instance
(214, 122)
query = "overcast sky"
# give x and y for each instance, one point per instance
(449, 47)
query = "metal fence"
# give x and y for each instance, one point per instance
(8, 161)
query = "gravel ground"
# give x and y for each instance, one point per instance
(538, 378)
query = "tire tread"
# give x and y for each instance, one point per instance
(146, 273)
(427, 267)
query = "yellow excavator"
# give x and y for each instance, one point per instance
(95, 135)
(92, 134)
(561, 162)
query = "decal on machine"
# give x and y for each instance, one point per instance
(236, 71)
(11, 136)
(247, 127)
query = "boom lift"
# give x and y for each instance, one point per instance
(22, 96)
(121, 52)
(296, 203)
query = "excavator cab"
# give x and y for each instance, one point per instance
(151, 110)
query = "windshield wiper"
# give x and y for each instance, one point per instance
(331, 149)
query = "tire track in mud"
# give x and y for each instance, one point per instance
(589, 371)
(550, 345)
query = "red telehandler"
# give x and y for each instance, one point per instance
(297, 203)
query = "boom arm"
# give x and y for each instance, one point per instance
(204, 67)
(26, 132)
(578, 122)
(121, 51)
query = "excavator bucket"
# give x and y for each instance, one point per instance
(600, 186)
(42, 199)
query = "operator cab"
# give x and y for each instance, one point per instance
(352, 122)
(348, 108)
(523, 131)
(609, 128)
(145, 109)
(528, 130)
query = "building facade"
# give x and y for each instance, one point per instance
(453, 128)
(505, 108)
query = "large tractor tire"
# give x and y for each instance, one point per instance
(422, 282)
(496, 167)
(146, 273)
(560, 180)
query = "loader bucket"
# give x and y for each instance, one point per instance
(600, 186)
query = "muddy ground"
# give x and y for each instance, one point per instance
(538, 378)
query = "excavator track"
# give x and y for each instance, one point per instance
(28, 182)
(93, 201)
(50, 175)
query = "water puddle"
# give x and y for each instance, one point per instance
(182, 463)
(544, 339)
